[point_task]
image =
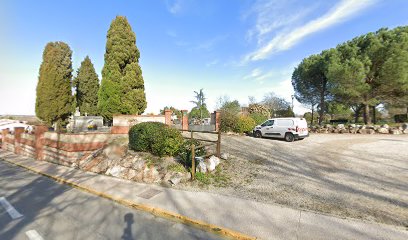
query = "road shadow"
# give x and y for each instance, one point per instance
(127, 232)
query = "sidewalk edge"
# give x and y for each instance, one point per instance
(144, 207)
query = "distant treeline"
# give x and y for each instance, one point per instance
(359, 74)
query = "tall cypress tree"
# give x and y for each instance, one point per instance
(54, 95)
(122, 86)
(87, 86)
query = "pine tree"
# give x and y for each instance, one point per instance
(87, 86)
(54, 95)
(122, 86)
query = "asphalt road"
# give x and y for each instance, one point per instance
(44, 209)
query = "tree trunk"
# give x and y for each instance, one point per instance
(311, 121)
(374, 115)
(321, 110)
(367, 117)
(357, 113)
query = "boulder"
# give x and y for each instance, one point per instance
(404, 126)
(131, 174)
(395, 131)
(138, 164)
(344, 131)
(366, 131)
(405, 131)
(224, 156)
(383, 130)
(352, 125)
(176, 178)
(340, 126)
(385, 126)
(116, 171)
(201, 167)
(151, 175)
(212, 162)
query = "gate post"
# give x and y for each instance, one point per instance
(17, 139)
(184, 120)
(39, 131)
(217, 120)
(167, 116)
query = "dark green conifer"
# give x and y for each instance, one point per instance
(54, 96)
(122, 86)
(87, 86)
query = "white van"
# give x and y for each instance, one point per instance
(287, 128)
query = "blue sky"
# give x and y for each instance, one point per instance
(234, 48)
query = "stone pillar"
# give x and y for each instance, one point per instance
(17, 139)
(217, 120)
(184, 120)
(167, 117)
(39, 131)
(4, 134)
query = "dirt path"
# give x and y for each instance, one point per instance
(359, 176)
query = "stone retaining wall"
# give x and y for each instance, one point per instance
(62, 148)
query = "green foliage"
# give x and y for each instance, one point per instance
(203, 178)
(175, 111)
(185, 151)
(258, 118)
(216, 178)
(156, 138)
(366, 71)
(401, 118)
(53, 94)
(229, 115)
(87, 86)
(199, 113)
(122, 86)
(200, 110)
(244, 124)
(176, 167)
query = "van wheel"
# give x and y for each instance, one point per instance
(258, 134)
(289, 137)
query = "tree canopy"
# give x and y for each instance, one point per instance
(199, 111)
(54, 101)
(86, 84)
(366, 71)
(122, 87)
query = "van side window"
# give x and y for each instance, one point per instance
(267, 123)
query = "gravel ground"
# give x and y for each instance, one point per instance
(358, 176)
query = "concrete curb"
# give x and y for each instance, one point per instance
(146, 208)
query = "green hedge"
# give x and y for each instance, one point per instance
(156, 138)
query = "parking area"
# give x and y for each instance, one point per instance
(348, 175)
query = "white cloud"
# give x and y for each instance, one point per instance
(174, 7)
(212, 63)
(289, 37)
(272, 15)
(254, 74)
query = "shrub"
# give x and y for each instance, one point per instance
(185, 151)
(156, 138)
(258, 117)
(245, 124)
(400, 118)
(228, 122)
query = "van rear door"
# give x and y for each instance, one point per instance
(302, 128)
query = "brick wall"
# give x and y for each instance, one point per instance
(122, 123)
(62, 148)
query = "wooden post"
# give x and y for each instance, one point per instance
(219, 144)
(192, 161)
